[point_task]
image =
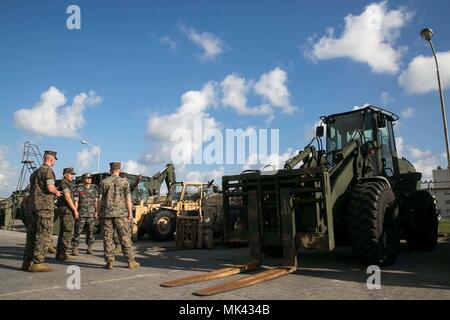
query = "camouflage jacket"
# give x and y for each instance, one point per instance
(113, 197)
(40, 198)
(65, 187)
(86, 198)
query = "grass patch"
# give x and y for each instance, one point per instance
(444, 226)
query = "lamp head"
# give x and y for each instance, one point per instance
(84, 142)
(426, 34)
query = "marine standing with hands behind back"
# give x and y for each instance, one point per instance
(68, 214)
(86, 202)
(115, 204)
(40, 223)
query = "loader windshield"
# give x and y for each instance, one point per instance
(343, 128)
(175, 191)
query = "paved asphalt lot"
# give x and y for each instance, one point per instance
(321, 276)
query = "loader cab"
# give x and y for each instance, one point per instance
(373, 127)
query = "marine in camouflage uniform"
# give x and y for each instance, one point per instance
(115, 203)
(40, 220)
(67, 215)
(26, 203)
(86, 197)
(130, 222)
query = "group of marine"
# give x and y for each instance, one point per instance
(78, 207)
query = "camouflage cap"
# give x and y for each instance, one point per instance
(68, 170)
(115, 165)
(86, 176)
(50, 153)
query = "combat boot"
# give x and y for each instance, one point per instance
(26, 265)
(117, 249)
(67, 257)
(75, 251)
(89, 250)
(63, 256)
(51, 250)
(109, 265)
(133, 264)
(40, 267)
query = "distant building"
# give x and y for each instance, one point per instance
(441, 190)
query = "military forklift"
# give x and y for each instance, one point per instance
(356, 191)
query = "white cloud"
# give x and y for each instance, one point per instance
(166, 40)
(386, 98)
(416, 153)
(408, 112)
(134, 167)
(166, 130)
(52, 117)
(420, 74)
(369, 37)
(194, 107)
(426, 166)
(206, 176)
(211, 44)
(272, 86)
(85, 158)
(274, 161)
(423, 161)
(5, 173)
(400, 144)
(235, 90)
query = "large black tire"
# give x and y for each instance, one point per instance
(373, 229)
(162, 225)
(421, 231)
(340, 220)
(141, 232)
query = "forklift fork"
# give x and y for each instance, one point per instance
(289, 265)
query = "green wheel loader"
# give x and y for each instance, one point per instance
(354, 191)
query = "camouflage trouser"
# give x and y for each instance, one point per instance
(121, 225)
(89, 222)
(66, 224)
(130, 233)
(39, 235)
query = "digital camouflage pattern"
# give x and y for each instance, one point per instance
(65, 187)
(114, 191)
(121, 225)
(86, 198)
(66, 218)
(40, 198)
(66, 226)
(89, 222)
(41, 212)
(130, 233)
(113, 197)
(39, 236)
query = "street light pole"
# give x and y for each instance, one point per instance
(427, 35)
(98, 153)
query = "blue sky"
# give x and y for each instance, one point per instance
(132, 61)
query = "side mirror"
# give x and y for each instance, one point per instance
(319, 131)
